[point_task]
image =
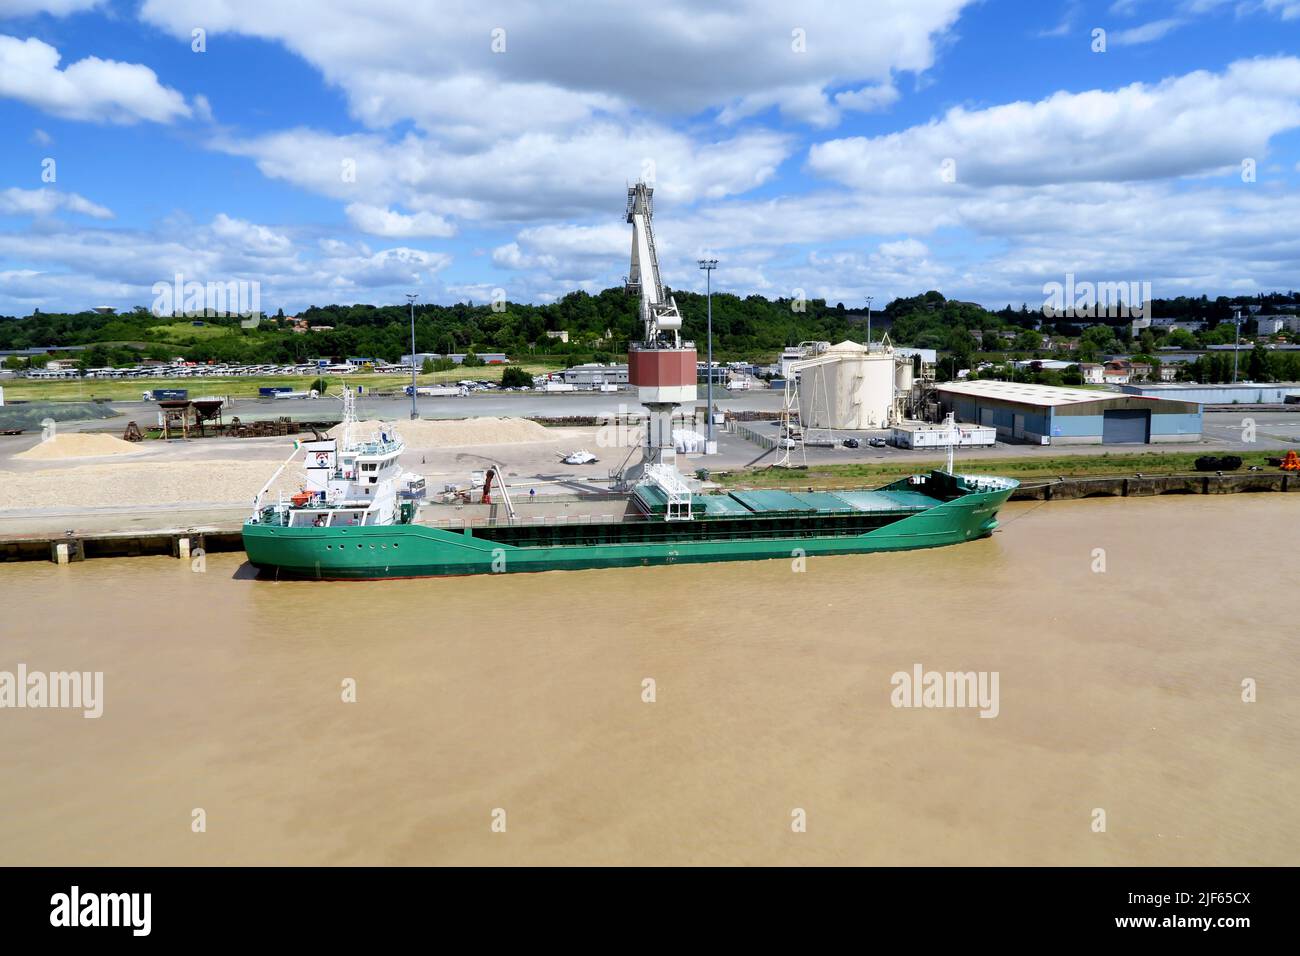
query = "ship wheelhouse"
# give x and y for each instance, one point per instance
(348, 483)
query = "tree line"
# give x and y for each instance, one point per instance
(599, 327)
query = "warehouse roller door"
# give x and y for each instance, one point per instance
(1126, 426)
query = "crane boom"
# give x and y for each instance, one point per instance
(661, 366)
(658, 313)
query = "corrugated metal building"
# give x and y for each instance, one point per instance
(594, 373)
(1274, 393)
(1045, 414)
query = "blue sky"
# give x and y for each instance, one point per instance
(840, 150)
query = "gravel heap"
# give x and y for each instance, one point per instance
(143, 483)
(78, 445)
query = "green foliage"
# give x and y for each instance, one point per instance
(515, 377)
(1028, 341)
(1095, 341)
(1257, 365)
(600, 326)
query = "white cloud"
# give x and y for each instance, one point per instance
(1287, 9)
(869, 99)
(538, 141)
(1188, 125)
(202, 108)
(1066, 24)
(994, 245)
(46, 202)
(71, 268)
(566, 64)
(569, 253)
(382, 221)
(58, 8)
(1146, 33)
(533, 176)
(510, 256)
(904, 249)
(90, 89)
(805, 103)
(250, 236)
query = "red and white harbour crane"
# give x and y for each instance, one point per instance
(661, 366)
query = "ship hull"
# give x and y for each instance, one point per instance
(414, 550)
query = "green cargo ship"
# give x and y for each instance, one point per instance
(360, 516)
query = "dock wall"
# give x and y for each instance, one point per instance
(188, 543)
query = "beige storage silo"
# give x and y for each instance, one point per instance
(846, 386)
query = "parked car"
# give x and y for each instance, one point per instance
(877, 442)
(852, 443)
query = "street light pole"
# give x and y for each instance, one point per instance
(869, 298)
(1236, 345)
(410, 298)
(708, 265)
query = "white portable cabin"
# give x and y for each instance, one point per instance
(925, 435)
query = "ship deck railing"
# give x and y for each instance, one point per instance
(373, 447)
(986, 483)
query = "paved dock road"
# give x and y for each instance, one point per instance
(41, 522)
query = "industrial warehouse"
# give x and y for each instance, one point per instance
(1048, 415)
(855, 387)
(1276, 393)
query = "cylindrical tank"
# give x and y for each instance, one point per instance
(854, 391)
(903, 376)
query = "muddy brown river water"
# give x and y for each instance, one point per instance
(519, 702)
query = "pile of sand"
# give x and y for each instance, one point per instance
(143, 483)
(436, 433)
(78, 445)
